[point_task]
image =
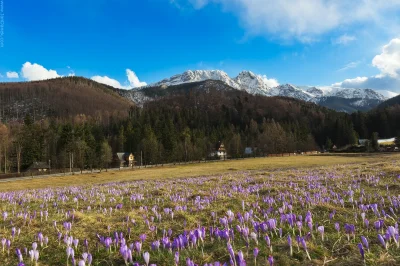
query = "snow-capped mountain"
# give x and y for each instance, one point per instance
(195, 76)
(251, 83)
(347, 93)
(260, 85)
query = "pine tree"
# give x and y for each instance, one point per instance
(121, 139)
(150, 146)
(105, 157)
(374, 141)
(328, 144)
(130, 137)
(397, 141)
(80, 148)
(186, 139)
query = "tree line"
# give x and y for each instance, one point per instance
(186, 127)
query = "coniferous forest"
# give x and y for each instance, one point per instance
(179, 127)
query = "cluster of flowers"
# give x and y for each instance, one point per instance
(249, 218)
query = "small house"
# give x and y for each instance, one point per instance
(123, 159)
(219, 152)
(39, 167)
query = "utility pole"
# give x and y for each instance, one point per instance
(5, 159)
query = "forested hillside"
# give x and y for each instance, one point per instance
(385, 121)
(391, 102)
(60, 98)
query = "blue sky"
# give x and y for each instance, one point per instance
(306, 42)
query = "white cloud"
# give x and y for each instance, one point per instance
(108, 81)
(270, 82)
(378, 82)
(389, 60)
(388, 94)
(306, 19)
(344, 39)
(349, 66)
(351, 83)
(12, 75)
(37, 72)
(133, 80)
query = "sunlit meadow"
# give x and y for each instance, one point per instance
(336, 215)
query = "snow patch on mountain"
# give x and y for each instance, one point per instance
(289, 90)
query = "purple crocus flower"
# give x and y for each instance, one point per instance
(382, 241)
(19, 255)
(138, 246)
(304, 244)
(176, 258)
(321, 230)
(364, 241)
(90, 259)
(289, 239)
(337, 227)
(271, 260)
(268, 240)
(366, 223)
(240, 257)
(70, 252)
(360, 247)
(75, 242)
(255, 253)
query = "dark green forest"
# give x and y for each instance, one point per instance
(186, 126)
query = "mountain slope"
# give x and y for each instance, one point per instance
(60, 98)
(344, 99)
(348, 105)
(390, 102)
(156, 92)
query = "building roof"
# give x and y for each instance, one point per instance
(386, 140)
(220, 146)
(248, 150)
(122, 156)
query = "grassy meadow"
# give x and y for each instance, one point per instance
(304, 210)
(200, 169)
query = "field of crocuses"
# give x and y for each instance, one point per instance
(347, 214)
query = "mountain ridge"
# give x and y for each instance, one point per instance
(352, 99)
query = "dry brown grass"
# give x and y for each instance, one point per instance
(200, 169)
